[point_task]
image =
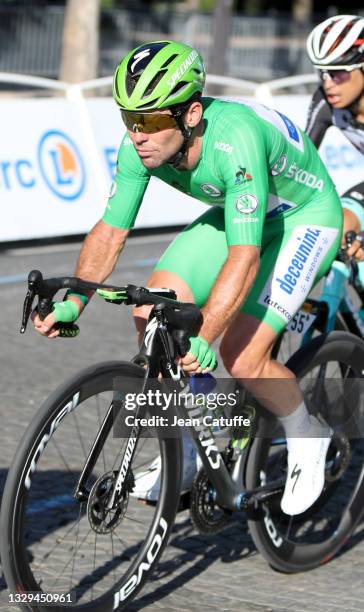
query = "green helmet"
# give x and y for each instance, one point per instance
(158, 75)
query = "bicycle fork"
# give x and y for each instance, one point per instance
(81, 492)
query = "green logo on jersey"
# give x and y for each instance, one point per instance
(246, 203)
(242, 176)
(211, 190)
(279, 166)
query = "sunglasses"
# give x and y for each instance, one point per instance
(149, 123)
(337, 76)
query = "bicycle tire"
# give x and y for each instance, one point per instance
(290, 342)
(19, 571)
(268, 528)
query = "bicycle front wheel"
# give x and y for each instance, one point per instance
(330, 369)
(52, 542)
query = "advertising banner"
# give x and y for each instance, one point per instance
(57, 164)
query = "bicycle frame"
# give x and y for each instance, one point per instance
(157, 355)
(229, 492)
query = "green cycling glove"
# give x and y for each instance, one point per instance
(65, 312)
(204, 354)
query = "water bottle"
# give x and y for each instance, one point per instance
(201, 385)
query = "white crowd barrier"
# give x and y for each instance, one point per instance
(58, 157)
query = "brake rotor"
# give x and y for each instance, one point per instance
(101, 519)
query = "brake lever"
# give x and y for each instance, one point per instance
(46, 293)
(35, 280)
(27, 309)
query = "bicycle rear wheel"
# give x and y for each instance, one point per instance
(290, 342)
(292, 544)
(50, 541)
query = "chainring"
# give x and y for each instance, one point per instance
(206, 516)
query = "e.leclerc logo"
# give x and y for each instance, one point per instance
(61, 165)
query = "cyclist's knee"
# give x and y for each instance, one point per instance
(245, 365)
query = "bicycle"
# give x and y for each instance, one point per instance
(53, 519)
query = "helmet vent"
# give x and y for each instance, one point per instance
(130, 83)
(154, 82)
(169, 60)
(179, 87)
(151, 104)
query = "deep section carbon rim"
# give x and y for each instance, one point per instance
(331, 381)
(58, 544)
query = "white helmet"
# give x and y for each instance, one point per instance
(337, 42)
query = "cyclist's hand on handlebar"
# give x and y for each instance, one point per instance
(63, 312)
(200, 357)
(355, 247)
(45, 327)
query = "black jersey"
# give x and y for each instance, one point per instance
(321, 116)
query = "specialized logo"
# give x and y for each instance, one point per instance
(182, 68)
(61, 165)
(224, 146)
(211, 190)
(138, 57)
(246, 204)
(304, 178)
(129, 451)
(150, 332)
(242, 176)
(295, 474)
(279, 166)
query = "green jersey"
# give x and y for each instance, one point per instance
(256, 164)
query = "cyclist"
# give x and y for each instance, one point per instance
(336, 49)
(272, 231)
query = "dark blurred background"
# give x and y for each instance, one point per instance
(76, 40)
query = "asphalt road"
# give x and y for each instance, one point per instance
(222, 572)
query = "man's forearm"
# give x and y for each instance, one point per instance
(230, 290)
(100, 252)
